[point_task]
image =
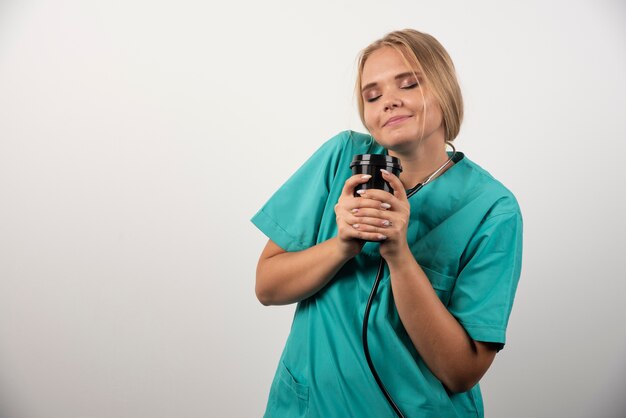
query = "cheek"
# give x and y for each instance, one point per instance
(369, 118)
(435, 114)
(417, 103)
(429, 109)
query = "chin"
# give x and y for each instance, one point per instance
(398, 140)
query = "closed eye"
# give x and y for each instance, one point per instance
(407, 87)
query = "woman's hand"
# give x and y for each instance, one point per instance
(384, 215)
(350, 234)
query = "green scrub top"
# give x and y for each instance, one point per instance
(465, 231)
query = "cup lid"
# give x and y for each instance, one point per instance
(376, 159)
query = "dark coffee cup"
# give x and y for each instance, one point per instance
(371, 164)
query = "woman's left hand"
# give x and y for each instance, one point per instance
(391, 220)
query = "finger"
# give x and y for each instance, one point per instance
(395, 183)
(360, 203)
(369, 229)
(352, 182)
(376, 212)
(379, 218)
(384, 200)
(360, 233)
(373, 222)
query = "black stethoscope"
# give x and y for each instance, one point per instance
(410, 192)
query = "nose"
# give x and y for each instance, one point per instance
(392, 102)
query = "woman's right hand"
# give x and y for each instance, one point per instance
(351, 239)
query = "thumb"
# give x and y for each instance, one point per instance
(352, 182)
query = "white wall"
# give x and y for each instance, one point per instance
(137, 138)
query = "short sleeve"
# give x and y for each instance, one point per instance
(482, 297)
(292, 216)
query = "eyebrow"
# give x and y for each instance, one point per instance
(398, 77)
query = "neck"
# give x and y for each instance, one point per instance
(420, 163)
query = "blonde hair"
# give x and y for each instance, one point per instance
(424, 53)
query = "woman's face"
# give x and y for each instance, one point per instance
(397, 114)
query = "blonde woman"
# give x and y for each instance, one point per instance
(450, 237)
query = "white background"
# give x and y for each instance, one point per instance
(137, 138)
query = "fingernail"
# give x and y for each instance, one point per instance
(382, 237)
(356, 226)
(385, 205)
(384, 171)
(385, 223)
(354, 210)
(360, 191)
(366, 176)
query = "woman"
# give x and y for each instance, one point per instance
(452, 254)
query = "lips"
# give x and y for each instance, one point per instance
(396, 119)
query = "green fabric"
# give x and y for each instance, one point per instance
(465, 232)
